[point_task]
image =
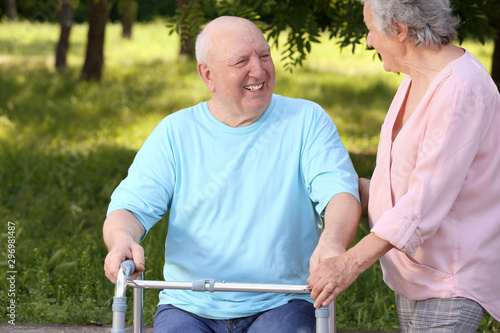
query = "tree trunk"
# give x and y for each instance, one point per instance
(11, 9)
(94, 59)
(129, 15)
(66, 21)
(187, 39)
(495, 68)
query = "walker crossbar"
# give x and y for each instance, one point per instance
(221, 286)
(325, 316)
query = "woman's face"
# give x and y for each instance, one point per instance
(386, 46)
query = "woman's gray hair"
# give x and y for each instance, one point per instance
(430, 22)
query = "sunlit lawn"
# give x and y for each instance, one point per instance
(65, 144)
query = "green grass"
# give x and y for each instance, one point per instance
(65, 144)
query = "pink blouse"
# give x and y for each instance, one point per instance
(435, 191)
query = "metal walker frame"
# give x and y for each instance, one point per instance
(325, 316)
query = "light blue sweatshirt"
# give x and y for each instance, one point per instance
(245, 202)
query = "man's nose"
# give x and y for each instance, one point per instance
(256, 68)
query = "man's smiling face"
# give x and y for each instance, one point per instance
(242, 70)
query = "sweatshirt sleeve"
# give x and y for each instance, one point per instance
(326, 165)
(147, 189)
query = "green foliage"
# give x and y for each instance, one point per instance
(304, 22)
(192, 15)
(48, 10)
(65, 144)
(478, 19)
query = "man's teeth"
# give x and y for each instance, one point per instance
(253, 88)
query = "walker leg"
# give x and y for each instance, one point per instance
(333, 317)
(120, 300)
(322, 321)
(325, 319)
(138, 303)
(119, 310)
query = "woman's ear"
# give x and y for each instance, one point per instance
(401, 31)
(205, 73)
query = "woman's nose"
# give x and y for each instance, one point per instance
(369, 40)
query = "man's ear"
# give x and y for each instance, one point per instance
(206, 75)
(401, 31)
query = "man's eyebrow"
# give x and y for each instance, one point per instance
(246, 54)
(238, 56)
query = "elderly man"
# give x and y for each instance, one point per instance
(246, 177)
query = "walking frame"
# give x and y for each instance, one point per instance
(325, 316)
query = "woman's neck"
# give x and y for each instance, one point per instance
(424, 63)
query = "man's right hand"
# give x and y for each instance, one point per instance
(119, 254)
(122, 232)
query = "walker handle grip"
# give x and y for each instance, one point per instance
(130, 264)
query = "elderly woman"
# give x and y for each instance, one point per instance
(434, 197)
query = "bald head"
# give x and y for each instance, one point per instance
(221, 32)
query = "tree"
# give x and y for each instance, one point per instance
(305, 21)
(66, 21)
(128, 10)
(94, 59)
(481, 21)
(189, 11)
(11, 9)
(495, 68)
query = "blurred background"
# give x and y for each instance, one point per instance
(82, 85)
